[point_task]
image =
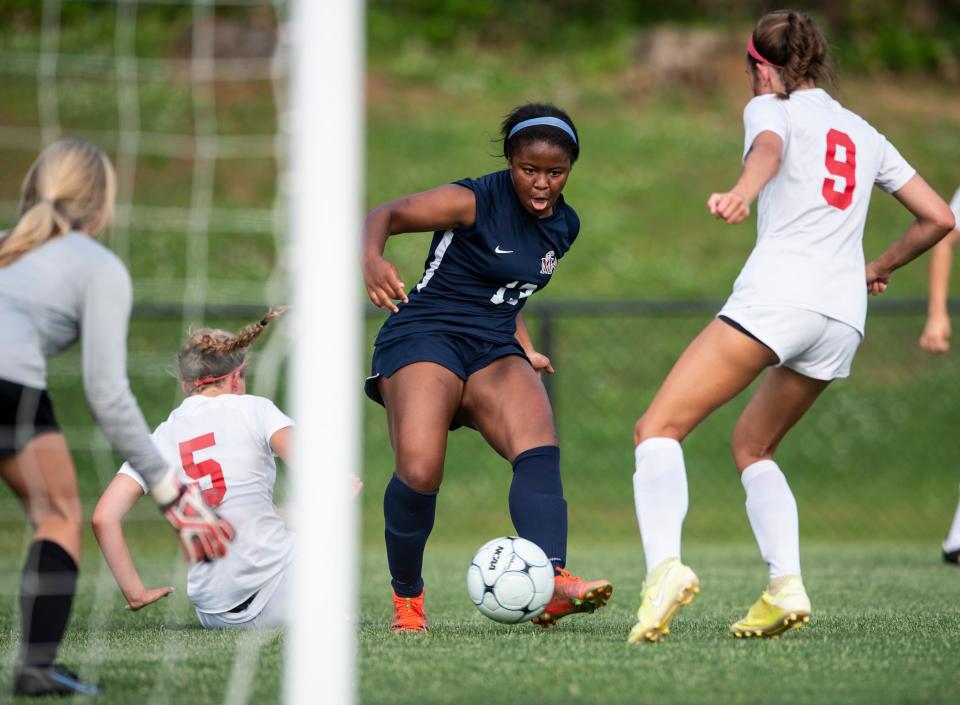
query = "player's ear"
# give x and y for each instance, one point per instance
(766, 75)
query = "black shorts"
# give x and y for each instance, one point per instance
(461, 354)
(25, 413)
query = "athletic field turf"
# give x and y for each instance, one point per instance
(885, 629)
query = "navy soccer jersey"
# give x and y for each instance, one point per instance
(477, 278)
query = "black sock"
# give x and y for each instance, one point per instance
(408, 519)
(46, 594)
(537, 506)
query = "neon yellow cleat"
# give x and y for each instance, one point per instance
(781, 607)
(670, 586)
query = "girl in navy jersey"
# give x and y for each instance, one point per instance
(455, 350)
(798, 308)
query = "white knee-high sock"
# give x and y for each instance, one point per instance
(660, 496)
(772, 511)
(952, 542)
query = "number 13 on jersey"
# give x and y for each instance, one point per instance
(845, 167)
(503, 297)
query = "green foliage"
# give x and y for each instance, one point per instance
(919, 37)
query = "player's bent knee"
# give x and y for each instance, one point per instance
(420, 479)
(647, 427)
(746, 453)
(58, 513)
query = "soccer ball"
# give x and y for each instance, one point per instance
(510, 580)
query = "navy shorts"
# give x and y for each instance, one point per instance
(25, 413)
(461, 354)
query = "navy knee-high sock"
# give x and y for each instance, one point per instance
(537, 506)
(408, 520)
(46, 595)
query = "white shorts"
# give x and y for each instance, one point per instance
(267, 610)
(807, 342)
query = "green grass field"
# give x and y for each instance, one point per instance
(885, 629)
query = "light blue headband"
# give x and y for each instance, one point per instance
(549, 121)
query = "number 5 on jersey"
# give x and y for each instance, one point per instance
(212, 495)
(846, 168)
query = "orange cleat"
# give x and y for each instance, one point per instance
(571, 595)
(409, 614)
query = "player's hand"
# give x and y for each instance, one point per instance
(357, 485)
(383, 283)
(203, 533)
(148, 597)
(540, 362)
(936, 334)
(729, 207)
(877, 279)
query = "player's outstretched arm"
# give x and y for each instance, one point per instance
(442, 208)
(281, 443)
(106, 313)
(118, 499)
(934, 220)
(936, 332)
(761, 165)
(539, 361)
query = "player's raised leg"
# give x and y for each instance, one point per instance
(421, 400)
(782, 398)
(507, 403)
(716, 366)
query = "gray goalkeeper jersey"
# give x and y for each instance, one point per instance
(68, 288)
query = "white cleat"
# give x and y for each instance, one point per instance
(669, 587)
(776, 612)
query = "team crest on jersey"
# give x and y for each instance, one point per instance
(548, 263)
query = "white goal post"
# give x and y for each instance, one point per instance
(324, 189)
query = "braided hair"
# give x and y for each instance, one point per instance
(793, 41)
(210, 354)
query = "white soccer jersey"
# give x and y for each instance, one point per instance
(223, 443)
(810, 216)
(955, 207)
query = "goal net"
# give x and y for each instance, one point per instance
(220, 141)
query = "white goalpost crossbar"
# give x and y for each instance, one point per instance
(324, 197)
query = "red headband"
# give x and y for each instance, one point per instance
(208, 380)
(752, 50)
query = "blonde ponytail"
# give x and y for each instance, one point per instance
(37, 225)
(71, 186)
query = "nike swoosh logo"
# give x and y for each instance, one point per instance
(502, 252)
(663, 586)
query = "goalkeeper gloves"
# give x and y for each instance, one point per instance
(203, 533)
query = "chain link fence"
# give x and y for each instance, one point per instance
(876, 458)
